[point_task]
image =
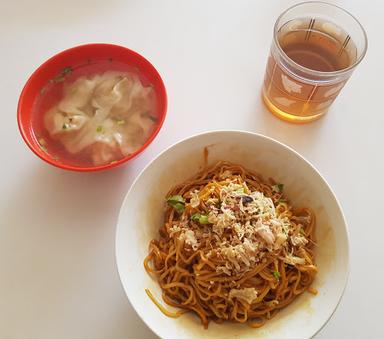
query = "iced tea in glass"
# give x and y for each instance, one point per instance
(316, 46)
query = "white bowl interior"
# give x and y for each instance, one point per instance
(141, 216)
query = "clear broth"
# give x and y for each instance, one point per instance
(52, 93)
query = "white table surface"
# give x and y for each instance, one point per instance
(58, 276)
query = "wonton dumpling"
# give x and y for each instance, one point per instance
(77, 95)
(103, 154)
(133, 139)
(55, 121)
(134, 97)
(107, 114)
(107, 92)
(142, 120)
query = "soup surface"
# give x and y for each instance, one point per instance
(95, 114)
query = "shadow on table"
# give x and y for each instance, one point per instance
(59, 228)
(303, 138)
(48, 193)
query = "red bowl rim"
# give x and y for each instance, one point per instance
(49, 160)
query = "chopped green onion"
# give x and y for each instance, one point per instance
(175, 199)
(149, 116)
(61, 76)
(301, 230)
(99, 129)
(276, 275)
(201, 218)
(177, 202)
(195, 217)
(65, 126)
(179, 207)
(120, 122)
(282, 200)
(66, 70)
(278, 188)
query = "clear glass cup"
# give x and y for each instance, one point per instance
(316, 46)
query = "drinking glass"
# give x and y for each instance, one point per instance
(315, 48)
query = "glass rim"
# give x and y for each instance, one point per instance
(312, 71)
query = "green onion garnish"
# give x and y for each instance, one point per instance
(66, 70)
(177, 202)
(65, 126)
(276, 275)
(201, 218)
(240, 190)
(61, 76)
(120, 122)
(99, 129)
(176, 199)
(278, 188)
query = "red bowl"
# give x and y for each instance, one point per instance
(78, 56)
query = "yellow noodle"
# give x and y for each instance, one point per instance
(189, 279)
(162, 308)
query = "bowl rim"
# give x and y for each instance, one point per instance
(220, 131)
(23, 129)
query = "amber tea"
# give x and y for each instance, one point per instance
(315, 45)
